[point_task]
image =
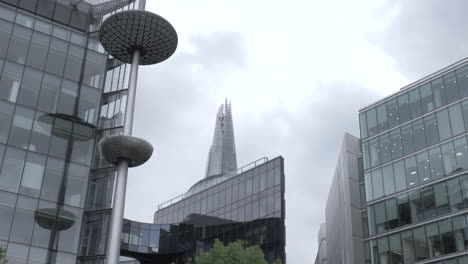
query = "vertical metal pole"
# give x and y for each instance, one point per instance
(115, 229)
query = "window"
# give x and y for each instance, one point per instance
(69, 239)
(392, 213)
(415, 103)
(371, 122)
(37, 55)
(10, 81)
(382, 117)
(435, 158)
(365, 154)
(89, 104)
(426, 98)
(53, 175)
(433, 239)
(7, 208)
(12, 169)
(420, 244)
(32, 174)
(424, 169)
(461, 153)
(41, 132)
(419, 135)
(67, 100)
(450, 85)
(407, 139)
(429, 204)
(49, 93)
(6, 116)
(362, 120)
(411, 171)
(377, 183)
(443, 125)
(456, 119)
(455, 195)
(416, 206)
(368, 182)
(408, 248)
(438, 93)
(404, 211)
(430, 126)
(56, 57)
(29, 90)
(385, 148)
(380, 217)
(74, 62)
(448, 158)
(384, 251)
(399, 174)
(5, 33)
(441, 198)
(374, 152)
(94, 69)
(404, 108)
(19, 44)
(392, 109)
(460, 232)
(462, 81)
(388, 181)
(21, 127)
(447, 237)
(395, 141)
(21, 230)
(395, 248)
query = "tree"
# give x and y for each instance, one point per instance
(2, 255)
(278, 261)
(233, 253)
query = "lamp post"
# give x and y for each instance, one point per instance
(140, 38)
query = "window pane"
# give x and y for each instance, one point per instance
(384, 251)
(407, 139)
(7, 208)
(432, 134)
(19, 43)
(21, 230)
(456, 119)
(368, 182)
(415, 103)
(29, 91)
(76, 184)
(377, 183)
(416, 206)
(5, 33)
(444, 125)
(395, 248)
(385, 148)
(392, 213)
(67, 99)
(68, 239)
(461, 153)
(388, 181)
(395, 141)
(438, 93)
(426, 98)
(94, 69)
(380, 216)
(90, 100)
(446, 235)
(411, 171)
(365, 154)
(37, 55)
(407, 244)
(448, 157)
(49, 93)
(21, 127)
(404, 212)
(6, 116)
(403, 108)
(392, 109)
(32, 175)
(12, 169)
(362, 125)
(419, 135)
(382, 117)
(420, 244)
(462, 80)
(41, 132)
(441, 198)
(461, 236)
(455, 195)
(424, 169)
(371, 122)
(433, 239)
(450, 87)
(74, 62)
(435, 158)
(428, 201)
(10, 81)
(56, 57)
(45, 8)
(399, 174)
(374, 152)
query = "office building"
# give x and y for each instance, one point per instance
(415, 154)
(321, 257)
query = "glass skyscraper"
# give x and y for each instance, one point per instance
(415, 154)
(54, 75)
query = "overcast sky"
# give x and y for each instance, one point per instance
(297, 72)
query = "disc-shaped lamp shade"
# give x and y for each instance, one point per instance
(50, 218)
(125, 32)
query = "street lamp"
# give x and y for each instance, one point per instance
(140, 38)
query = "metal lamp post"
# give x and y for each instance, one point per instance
(139, 38)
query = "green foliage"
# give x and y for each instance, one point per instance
(234, 253)
(278, 261)
(2, 255)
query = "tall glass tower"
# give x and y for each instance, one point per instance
(222, 155)
(415, 153)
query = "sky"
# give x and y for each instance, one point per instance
(297, 73)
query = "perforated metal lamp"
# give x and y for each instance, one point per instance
(140, 38)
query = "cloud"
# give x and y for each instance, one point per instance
(423, 36)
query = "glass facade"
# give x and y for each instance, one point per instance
(415, 157)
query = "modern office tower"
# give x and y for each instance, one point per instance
(52, 75)
(222, 155)
(342, 232)
(415, 154)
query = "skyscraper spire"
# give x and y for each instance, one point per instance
(222, 155)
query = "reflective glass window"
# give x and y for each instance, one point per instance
(74, 62)
(6, 116)
(41, 132)
(377, 183)
(62, 13)
(78, 19)
(5, 33)
(426, 98)
(462, 80)
(443, 125)
(61, 33)
(420, 244)
(424, 169)
(371, 116)
(385, 148)
(435, 158)
(435, 245)
(465, 112)
(29, 5)
(32, 174)
(69, 239)
(380, 217)
(447, 237)
(53, 175)
(368, 182)
(438, 93)
(388, 181)
(395, 248)
(432, 133)
(94, 69)
(12, 169)
(399, 174)
(411, 171)
(450, 87)
(392, 110)
(37, 55)
(374, 151)
(89, 104)
(382, 117)
(392, 213)
(455, 195)
(461, 153)
(395, 141)
(384, 250)
(29, 89)
(7, 13)
(366, 155)
(83, 144)
(407, 139)
(448, 158)
(419, 134)
(428, 203)
(43, 26)
(56, 57)
(45, 8)
(405, 214)
(10, 81)
(456, 119)
(67, 98)
(403, 108)
(408, 246)
(441, 198)
(415, 103)
(19, 44)
(416, 206)
(21, 230)
(7, 208)
(460, 233)
(362, 122)
(21, 127)
(49, 93)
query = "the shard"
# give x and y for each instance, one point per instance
(222, 155)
